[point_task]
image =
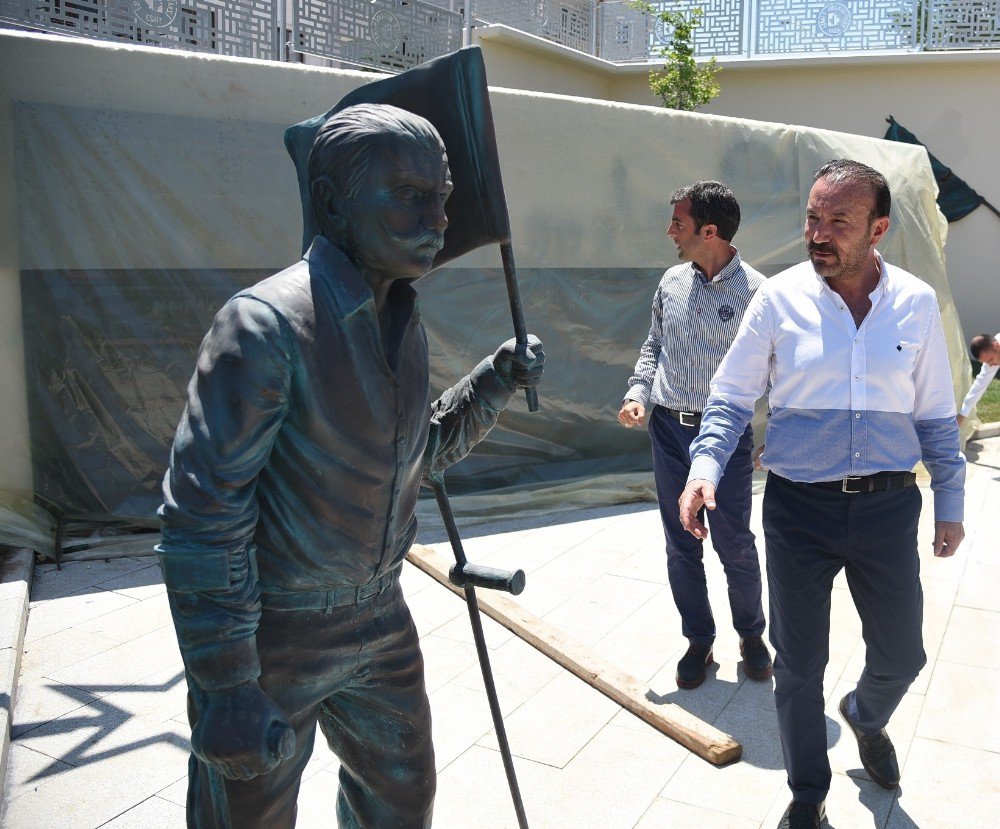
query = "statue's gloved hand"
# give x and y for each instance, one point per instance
(242, 733)
(520, 366)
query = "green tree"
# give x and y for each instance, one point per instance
(681, 83)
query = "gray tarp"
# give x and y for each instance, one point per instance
(135, 221)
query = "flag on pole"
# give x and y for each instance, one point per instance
(955, 198)
(451, 93)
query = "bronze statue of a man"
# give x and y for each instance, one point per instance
(289, 503)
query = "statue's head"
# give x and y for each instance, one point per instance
(379, 180)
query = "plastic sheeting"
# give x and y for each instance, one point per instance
(133, 227)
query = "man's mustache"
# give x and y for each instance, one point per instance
(429, 239)
(815, 248)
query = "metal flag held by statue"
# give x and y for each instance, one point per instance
(451, 93)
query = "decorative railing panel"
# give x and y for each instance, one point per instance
(569, 22)
(962, 24)
(398, 34)
(245, 28)
(387, 34)
(791, 26)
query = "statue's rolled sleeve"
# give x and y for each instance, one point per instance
(236, 404)
(464, 414)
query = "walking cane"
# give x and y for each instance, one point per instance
(468, 576)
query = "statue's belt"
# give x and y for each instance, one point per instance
(329, 599)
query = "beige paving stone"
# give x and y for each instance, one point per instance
(556, 722)
(124, 664)
(611, 781)
(672, 814)
(48, 617)
(176, 792)
(62, 801)
(640, 644)
(947, 786)
(27, 769)
(459, 629)
(460, 717)
(40, 700)
(59, 650)
(978, 585)
(519, 672)
(607, 603)
(472, 792)
(961, 707)
(152, 812)
(971, 638)
(445, 659)
(134, 620)
(647, 563)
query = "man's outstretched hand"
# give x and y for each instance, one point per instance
(520, 366)
(696, 494)
(242, 733)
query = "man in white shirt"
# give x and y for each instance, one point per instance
(986, 350)
(851, 352)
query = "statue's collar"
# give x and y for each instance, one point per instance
(347, 284)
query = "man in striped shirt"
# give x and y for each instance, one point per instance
(853, 351)
(697, 308)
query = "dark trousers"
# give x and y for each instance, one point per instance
(810, 535)
(729, 525)
(358, 671)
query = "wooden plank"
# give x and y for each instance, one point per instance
(694, 734)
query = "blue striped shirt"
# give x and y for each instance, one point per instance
(694, 320)
(844, 400)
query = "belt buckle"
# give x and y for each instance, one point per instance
(681, 419)
(843, 485)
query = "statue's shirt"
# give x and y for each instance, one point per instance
(299, 455)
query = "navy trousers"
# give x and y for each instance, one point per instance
(811, 534)
(729, 525)
(359, 673)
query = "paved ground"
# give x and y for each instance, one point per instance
(100, 740)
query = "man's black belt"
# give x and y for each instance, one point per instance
(879, 482)
(691, 419)
(328, 599)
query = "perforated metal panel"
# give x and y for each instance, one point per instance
(790, 26)
(245, 28)
(388, 34)
(963, 24)
(569, 22)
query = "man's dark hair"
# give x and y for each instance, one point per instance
(979, 344)
(712, 203)
(344, 145)
(845, 171)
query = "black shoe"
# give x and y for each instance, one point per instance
(877, 754)
(756, 659)
(803, 816)
(691, 668)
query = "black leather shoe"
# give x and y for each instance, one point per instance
(877, 754)
(803, 816)
(691, 668)
(756, 659)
